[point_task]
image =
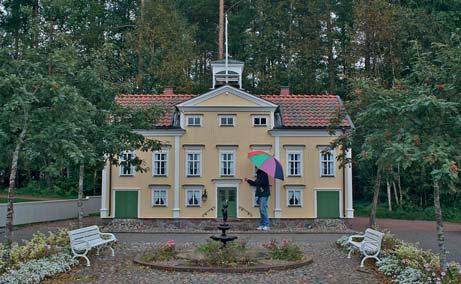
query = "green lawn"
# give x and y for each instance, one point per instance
(362, 209)
(16, 200)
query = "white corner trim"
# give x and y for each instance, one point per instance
(104, 211)
(278, 183)
(349, 189)
(176, 213)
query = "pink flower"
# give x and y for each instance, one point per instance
(170, 243)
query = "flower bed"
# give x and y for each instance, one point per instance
(235, 257)
(40, 257)
(407, 263)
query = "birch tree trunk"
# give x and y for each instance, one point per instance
(375, 200)
(10, 209)
(440, 229)
(80, 196)
(395, 194)
(399, 184)
(389, 196)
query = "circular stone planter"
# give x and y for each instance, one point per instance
(238, 269)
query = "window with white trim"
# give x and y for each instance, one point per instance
(227, 120)
(159, 197)
(193, 163)
(327, 163)
(160, 163)
(193, 197)
(126, 166)
(194, 120)
(260, 120)
(294, 197)
(294, 163)
(227, 162)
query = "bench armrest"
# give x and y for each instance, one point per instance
(355, 236)
(112, 236)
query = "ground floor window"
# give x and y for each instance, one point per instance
(193, 197)
(294, 196)
(159, 197)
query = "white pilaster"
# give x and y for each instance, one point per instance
(350, 208)
(104, 211)
(277, 210)
(176, 176)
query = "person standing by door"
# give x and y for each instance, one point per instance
(262, 194)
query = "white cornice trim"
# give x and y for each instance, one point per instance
(227, 108)
(213, 93)
(301, 132)
(160, 132)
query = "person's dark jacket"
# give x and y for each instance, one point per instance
(261, 183)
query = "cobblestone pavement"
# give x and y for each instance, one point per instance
(330, 265)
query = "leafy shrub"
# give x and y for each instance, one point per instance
(285, 251)
(34, 271)
(390, 266)
(234, 253)
(410, 276)
(38, 247)
(161, 253)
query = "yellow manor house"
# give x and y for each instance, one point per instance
(203, 160)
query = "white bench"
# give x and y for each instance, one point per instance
(84, 239)
(369, 247)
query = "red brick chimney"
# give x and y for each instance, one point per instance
(284, 90)
(168, 91)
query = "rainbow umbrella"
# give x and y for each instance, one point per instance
(266, 163)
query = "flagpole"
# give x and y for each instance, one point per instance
(227, 53)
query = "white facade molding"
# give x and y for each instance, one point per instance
(176, 210)
(301, 133)
(278, 209)
(160, 132)
(104, 211)
(350, 208)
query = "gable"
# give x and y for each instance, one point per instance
(226, 96)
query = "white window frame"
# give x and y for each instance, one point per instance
(227, 116)
(199, 152)
(162, 151)
(260, 116)
(159, 189)
(294, 152)
(234, 162)
(199, 199)
(194, 116)
(333, 161)
(299, 189)
(122, 159)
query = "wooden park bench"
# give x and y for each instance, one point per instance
(84, 239)
(369, 247)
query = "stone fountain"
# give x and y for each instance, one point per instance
(223, 238)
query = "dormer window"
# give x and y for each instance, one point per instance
(227, 120)
(194, 120)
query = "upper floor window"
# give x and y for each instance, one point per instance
(227, 120)
(159, 197)
(227, 162)
(260, 120)
(160, 163)
(193, 163)
(327, 162)
(126, 163)
(194, 120)
(294, 163)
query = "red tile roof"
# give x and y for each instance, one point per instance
(167, 101)
(297, 111)
(307, 110)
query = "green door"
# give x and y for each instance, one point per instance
(327, 204)
(126, 204)
(229, 194)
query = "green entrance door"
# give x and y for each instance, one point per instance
(126, 204)
(327, 204)
(229, 194)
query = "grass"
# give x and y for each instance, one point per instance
(16, 200)
(362, 209)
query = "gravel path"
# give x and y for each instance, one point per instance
(330, 266)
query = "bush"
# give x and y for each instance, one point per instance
(410, 276)
(234, 253)
(38, 247)
(390, 266)
(34, 271)
(285, 251)
(162, 253)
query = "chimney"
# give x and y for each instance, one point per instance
(168, 91)
(284, 90)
